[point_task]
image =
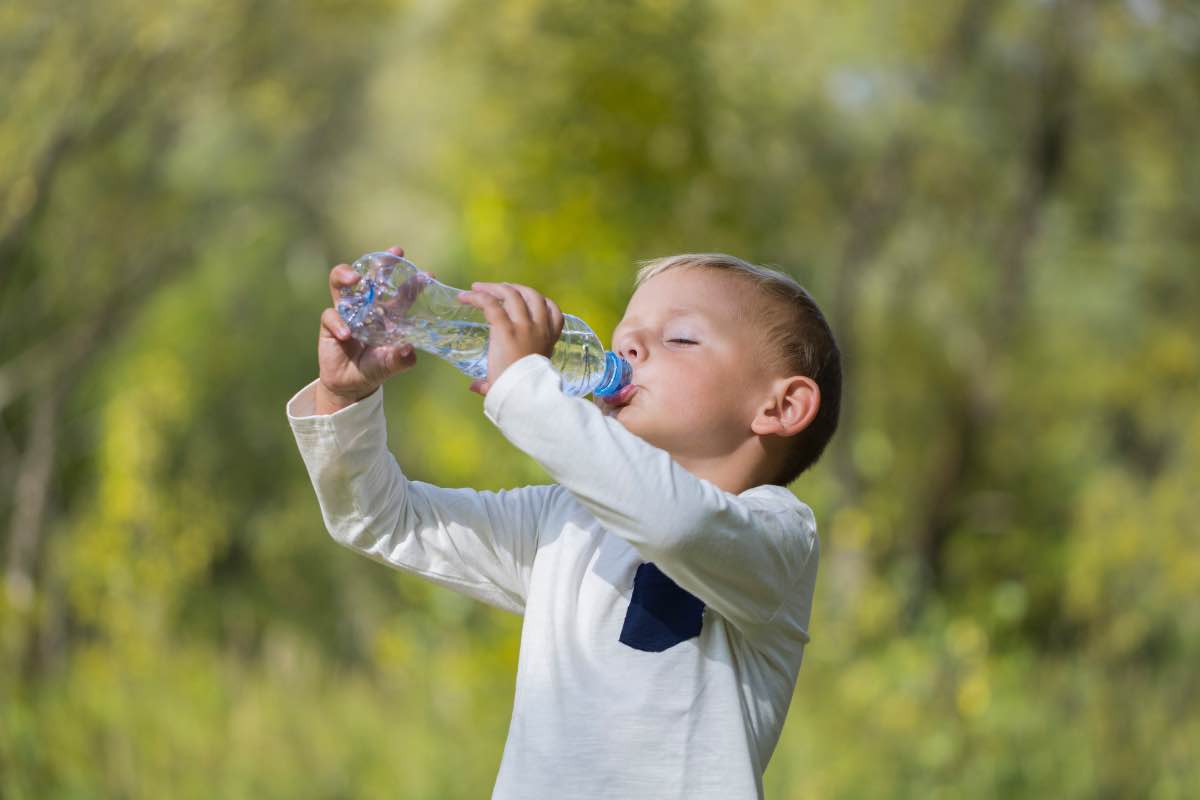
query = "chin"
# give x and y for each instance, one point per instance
(621, 415)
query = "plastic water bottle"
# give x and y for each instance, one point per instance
(396, 302)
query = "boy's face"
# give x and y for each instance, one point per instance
(696, 362)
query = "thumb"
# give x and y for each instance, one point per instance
(399, 357)
(480, 387)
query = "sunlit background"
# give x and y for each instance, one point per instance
(996, 202)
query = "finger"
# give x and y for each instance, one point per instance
(380, 363)
(340, 277)
(539, 315)
(396, 251)
(512, 300)
(480, 387)
(485, 288)
(333, 325)
(490, 305)
(555, 317)
(401, 357)
(409, 290)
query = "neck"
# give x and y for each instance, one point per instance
(744, 468)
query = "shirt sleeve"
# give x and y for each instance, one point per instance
(750, 557)
(479, 543)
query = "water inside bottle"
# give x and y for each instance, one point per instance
(382, 313)
(461, 342)
(464, 344)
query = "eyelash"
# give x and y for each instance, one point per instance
(688, 341)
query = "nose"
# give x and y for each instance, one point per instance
(631, 351)
(632, 344)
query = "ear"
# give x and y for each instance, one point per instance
(790, 408)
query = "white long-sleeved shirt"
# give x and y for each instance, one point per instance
(664, 618)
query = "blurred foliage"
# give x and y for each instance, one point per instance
(994, 201)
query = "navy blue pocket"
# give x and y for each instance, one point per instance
(660, 615)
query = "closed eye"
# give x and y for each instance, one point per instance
(685, 341)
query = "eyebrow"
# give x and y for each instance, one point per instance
(673, 311)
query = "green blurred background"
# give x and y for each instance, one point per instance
(997, 203)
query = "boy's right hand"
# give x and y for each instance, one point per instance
(349, 369)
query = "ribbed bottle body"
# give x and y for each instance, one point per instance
(396, 302)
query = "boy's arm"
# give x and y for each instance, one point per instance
(481, 544)
(749, 557)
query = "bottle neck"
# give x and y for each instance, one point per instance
(617, 375)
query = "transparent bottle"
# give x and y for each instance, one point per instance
(397, 302)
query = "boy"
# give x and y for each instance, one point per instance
(666, 579)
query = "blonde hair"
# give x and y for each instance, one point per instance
(797, 337)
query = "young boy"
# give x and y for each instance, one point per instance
(666, 579)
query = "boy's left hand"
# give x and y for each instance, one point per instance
(523, 321)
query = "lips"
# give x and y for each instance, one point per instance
(622, 397)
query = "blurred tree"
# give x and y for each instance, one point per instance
(188, 130)
(994, 201)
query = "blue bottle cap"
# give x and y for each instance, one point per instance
(617, 375)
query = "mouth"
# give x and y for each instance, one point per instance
(622, 397)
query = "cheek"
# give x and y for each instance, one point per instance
(694, 397)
